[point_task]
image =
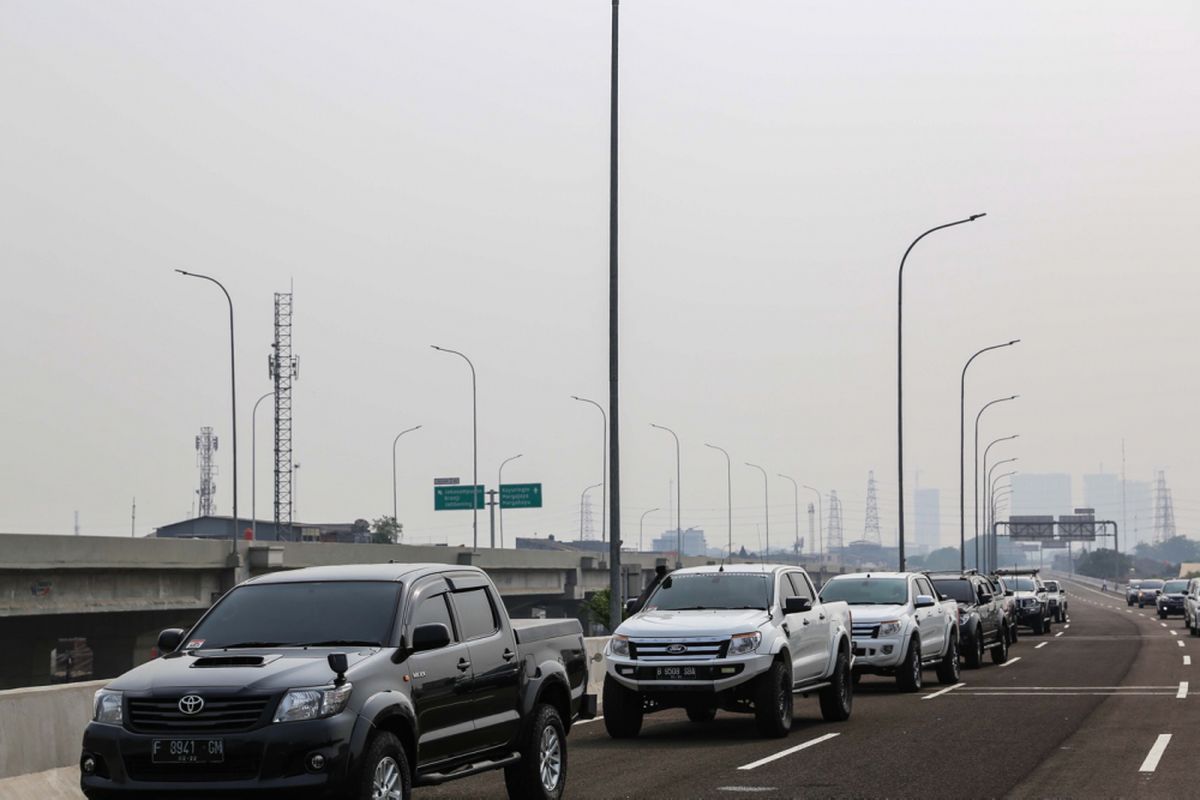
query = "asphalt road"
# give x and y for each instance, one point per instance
(1083, 712)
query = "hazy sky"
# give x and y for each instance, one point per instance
(438, 173)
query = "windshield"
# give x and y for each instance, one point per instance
(1175, 586)
(1023, 584)
(867, 591)
(1135, 584)
(960, 590)
(295, 614)
(1051, 586)
(708, 590)
(1151, 585)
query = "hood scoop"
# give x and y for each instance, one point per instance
(234, 661)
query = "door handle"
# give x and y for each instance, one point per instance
(806, 622)
(821, 616)
(508, 655)
(464, 664)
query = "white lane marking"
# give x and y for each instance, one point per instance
(1174, 633)
(1179, 642)
(1140, 614)
(979, 693)
(943, 691)
(1163, 624)
(1040, 646)
(1182, 693)
(585, 721)
(1170, 686)
(789, 751)
(1060, 633)
(747, 788)
(1066, 626)
(1156, 752)
(1011, 661)
(1129, 611)
(1187, 661)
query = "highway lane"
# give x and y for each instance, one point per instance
(1072, 714)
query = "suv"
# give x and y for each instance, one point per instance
(353, 682)
(982, 625)
(1170, 600)
(1191, 607)
(1056, 596)
(1027, 589)
(1131, 592)
(900, 626)
(1148, 592)
(742, 638)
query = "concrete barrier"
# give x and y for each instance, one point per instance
(41, 727)
(595, 655)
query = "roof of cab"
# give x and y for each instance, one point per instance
(360, 572)
(735, 568)
(879, 574)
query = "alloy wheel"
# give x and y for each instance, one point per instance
(386, 783)
(550, 759)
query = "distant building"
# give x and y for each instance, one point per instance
(694, 543)
(927, 507)
(562, 545)
(1039, 493)
(1102, 493)
(219, 528)
(1139, 514)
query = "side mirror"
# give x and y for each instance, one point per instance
(433, 636)
(1008, 593)
(631, 606)
(169, 640)
(924, 601)
(338, 663)
(985, 598)
(797, 605)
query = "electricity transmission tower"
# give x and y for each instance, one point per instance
(871, 529)
(1164, 510)
(283, 368)
(834, 538)
(206, 445)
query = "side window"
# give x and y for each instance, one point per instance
(800, 585)
(923, 587)
(475, 613)
(434, 610)
(982, 588)
(786, 589)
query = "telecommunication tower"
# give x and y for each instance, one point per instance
(1164, 510)
(871, 529)
(284, 369)
(206, 445)
(834, 538)
(812, 539)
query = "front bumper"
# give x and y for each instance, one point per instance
(1027, 615)
(711, 675)
(272, 758)
(1170, 608)
(873, 654)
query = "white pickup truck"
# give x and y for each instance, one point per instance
(739, 637)
(900, 625)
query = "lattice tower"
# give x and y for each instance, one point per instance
(284, 369)
(812, 540)
(871, 529)
(206, 446)
(834, 537)
(1164, 510)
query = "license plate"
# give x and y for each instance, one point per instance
(674, 673)
(188, 751)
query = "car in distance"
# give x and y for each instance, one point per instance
(1131, 592)
(1056, 596)
(1033, 608)
(900, 626)
(1148, 592)
(1009, 603)
(1191, 607)
(982, 625)
(350, 681)
(741, 638)
(1170, 600)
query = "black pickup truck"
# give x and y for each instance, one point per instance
(351, 682)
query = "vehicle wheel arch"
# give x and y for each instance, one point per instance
(390, 712)
(555, 692)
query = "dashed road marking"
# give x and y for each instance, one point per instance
(747, 788)
(1179, 642)
(1040, 646)
(1156, 752)
(1011, 661)
(1163, 624)
(586, 721)
(1174, 633)
(1060, 633)
(942, 691)
(1065, 627)
(1182, 693)
(1187, 661)
(789, 751)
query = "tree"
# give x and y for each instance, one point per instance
(386, 530)
(597, 608)
(942, 559)
(1104, 564)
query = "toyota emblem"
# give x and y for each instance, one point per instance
(677, 649)
(191, 704)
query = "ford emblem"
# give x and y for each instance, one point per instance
(191, 704)
(677, 649)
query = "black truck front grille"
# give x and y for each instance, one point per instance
(219, 715)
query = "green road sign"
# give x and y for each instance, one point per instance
(521, 495)
(456, 498)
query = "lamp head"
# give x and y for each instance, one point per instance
(974, 217)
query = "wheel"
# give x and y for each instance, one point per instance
(908, 675)
(1038, 626)
(1047, 626)
(773, 701)
(622, 710)
(857, 677)
(1000, 651)
(1162, 615)
(541, 774)
(837, 698)
(1128, 601)
(1013, 633)
(701, 713)
(384, 772)
(975, 652)
(947, 669)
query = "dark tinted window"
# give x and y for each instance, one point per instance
(475, 613)
(958, 588)
(301, 613)
(800, 585)
(434, 610)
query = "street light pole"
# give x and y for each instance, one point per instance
(678, 493)
(962, 477)
(900, 369)
(614, 442)
(254, 469)
(474, 448)
(820, 524)
(582, 497)
(1004, 491)
(766, 506)
(988, 549)
(975, 457)
(642, 525)
(796, 492)
(603, 470)
(500, 488)
(395, 500)
(233, 398)
(728, 489)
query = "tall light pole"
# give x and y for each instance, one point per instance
(474, 448)
(254, 469)
(766, 505)
(728, 489)
(988, 536)
(642, 525)
(678, 493)
(233, 399)
(500, 488)
(614, 442)
(975, 457)
(582, 498)
(900, 369)
(796, 492)
(1004, 491)
(604, 469)
(962, 470)
(820, 524)
(395, 491)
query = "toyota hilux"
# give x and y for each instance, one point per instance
(1033, 607)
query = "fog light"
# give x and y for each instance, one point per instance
(88, 765)
(887, 649)
(316, 762)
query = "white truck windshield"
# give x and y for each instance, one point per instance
(867, 591)
(698, 591)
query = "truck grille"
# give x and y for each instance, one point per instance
(864, 630)
(668, 649)
(219, 715)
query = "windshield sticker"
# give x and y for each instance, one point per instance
(195, 644)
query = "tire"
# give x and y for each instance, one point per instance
(1047, 626)
(702, 713)
(1161, 615)
(1000, 651)
(975, 653)
(838, 698)
(384, 764)
(1014, 634)
(1128, 602)
(773, 701)
(1039, 627)
(622, 710)
(908, 676)
(857, 677)
(947, 668)
(541, 774)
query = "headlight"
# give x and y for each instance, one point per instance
(301, 704)
(889, 627)
(618, 645)
(107, 707)
(742, 643)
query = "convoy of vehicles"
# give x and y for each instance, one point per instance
(350, 681)
(982, 625)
